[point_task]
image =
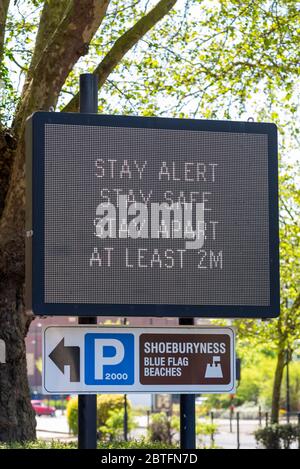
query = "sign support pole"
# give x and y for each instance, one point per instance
(87, 410)
(87, 404)
(187, 409)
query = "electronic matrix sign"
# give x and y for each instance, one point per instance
(151, 217)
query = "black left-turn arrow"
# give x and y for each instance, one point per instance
(63, 356)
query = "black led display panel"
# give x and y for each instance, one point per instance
(133, 216)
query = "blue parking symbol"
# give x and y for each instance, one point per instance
(109, 359)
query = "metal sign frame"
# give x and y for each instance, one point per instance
(35, 149)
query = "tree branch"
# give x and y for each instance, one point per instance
(68, 43)
(4, 4)
(124, 44)
(296, 305)
(51, 16)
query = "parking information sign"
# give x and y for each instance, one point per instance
(173, 360)
(151, 217)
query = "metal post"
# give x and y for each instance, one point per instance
(288, 401)
(299, 431)
(87, 410)
(125, 418)
(238, 430)
(187, 409)
(35, 360)
(230, 419)
(125, 426)
(88, 97)
(259, 416)
(87, 404)
(212, 438)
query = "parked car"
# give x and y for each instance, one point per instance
(42, 409)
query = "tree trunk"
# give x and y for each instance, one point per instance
(17, 418)
(277, 384)
(7, 149)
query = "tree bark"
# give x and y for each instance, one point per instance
(52, 14)
(277, 384)
(17, 419)
(4, 4)
(7, 148)
(69, 42)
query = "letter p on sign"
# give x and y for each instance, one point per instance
(101, 360)
(109, 359)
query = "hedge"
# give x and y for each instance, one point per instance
(55, 444)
